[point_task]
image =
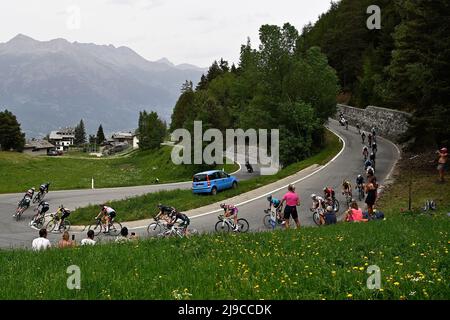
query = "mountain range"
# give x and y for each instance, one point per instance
(54, 84)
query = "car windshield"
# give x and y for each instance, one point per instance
(200, 178)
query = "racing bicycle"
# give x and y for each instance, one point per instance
(114, 227)
(226, 224)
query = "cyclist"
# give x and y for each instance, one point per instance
(369, 139)
(370, 172)
(275, 207)
(365, 153)
(359, 181)
(41, 209)
(329, 194)
(359, 128)
(61, 215)
(368, 163)
(174, 216)
(318, 202)
(347, 188)
(231, 210)
(374, 134)
(44, 187)
(108, 214)
(164, 212)
(29, 194)
(374, 147)
(372, 158)
(363, 137)
(24, 203)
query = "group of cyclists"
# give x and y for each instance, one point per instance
(327, 202)
(171, 215)
(25, 202)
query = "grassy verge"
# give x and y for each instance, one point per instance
(143, 207)
(20, 172)
(314, 263)
(411, 250)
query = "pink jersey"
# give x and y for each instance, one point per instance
(356, 215)
(291, 198)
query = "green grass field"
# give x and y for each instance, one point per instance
(311, 263)
(20, 172)
(143, 207)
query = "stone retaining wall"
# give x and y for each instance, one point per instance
(387, 122)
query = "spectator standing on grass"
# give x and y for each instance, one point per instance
(41, 243)
(123, 238)
(65, 242)
(442, 163)
(89, 241)
(371, 192)
(292, 201)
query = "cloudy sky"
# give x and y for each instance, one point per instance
(184, 31)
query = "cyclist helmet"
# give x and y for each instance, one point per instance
(313, 196)
(269, 198)
(33, 188)
(360, 176)
(223, 205)
(444, 150)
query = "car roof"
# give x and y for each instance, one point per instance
(209, 172)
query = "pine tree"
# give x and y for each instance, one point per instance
(11, 136)
(80, 134)
(100, 135)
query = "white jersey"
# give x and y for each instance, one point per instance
(87, 242)
(41, 244)
(109, 210)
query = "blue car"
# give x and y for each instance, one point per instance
(213, 181)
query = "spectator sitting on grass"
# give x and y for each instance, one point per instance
(123, 236)
(41, 243)
(330, 216)
(354, 214)
(89, 241)
(65, 242)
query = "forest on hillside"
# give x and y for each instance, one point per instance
(405, 65)
(293, 80)
(274, 87)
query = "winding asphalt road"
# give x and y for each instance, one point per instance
(347, 165)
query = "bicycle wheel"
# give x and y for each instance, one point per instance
(243, 225)
(336, 205)
(154, 229)
(36, 198)
(97, 228)
(361, 195)
(40, 223)
(50, 225)
(222, 227)
(115, 228)
(267, 220)
(65, 226)
(316, 218)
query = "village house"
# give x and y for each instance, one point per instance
(38, 147)
(62, 139)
